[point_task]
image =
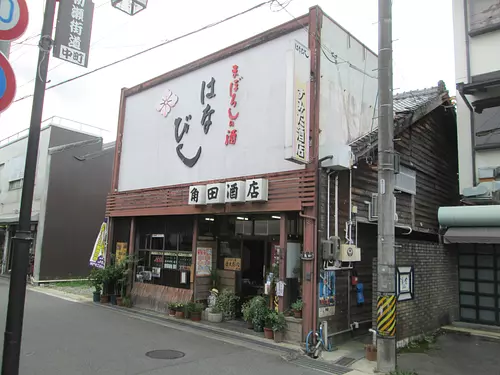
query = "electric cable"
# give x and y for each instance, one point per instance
(168, 41)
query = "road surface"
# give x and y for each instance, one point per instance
(66, 338)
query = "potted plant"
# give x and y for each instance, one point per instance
(268, 324)
(226, 301)
(195, 311)
(279, 326)
(179, 311)
(248, 313)
(260, 311)
(215, 314)
(297, 307)
(172, 306)
(96, 279)
(105, 273)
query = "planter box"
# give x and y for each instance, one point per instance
(278, 336)
(215, 318)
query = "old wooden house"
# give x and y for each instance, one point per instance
(425, 137)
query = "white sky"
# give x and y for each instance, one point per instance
(422, 31)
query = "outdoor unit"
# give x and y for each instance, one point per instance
(350, 253)
(483, 193)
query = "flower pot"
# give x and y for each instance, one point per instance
(250, 324)
(297, 314)
(119, 301)
(112, 299)
(171, 312)
(196, 316)
(257, 328)
(104, 298)
(179, 314)
(278, 336)
(214, 317)
(268, 333)
(97, 297)
(371, 352)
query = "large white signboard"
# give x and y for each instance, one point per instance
(224, 120)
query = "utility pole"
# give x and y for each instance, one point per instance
(22, 240)
(386, 299)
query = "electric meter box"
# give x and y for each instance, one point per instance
(350, 253)
(331, 248)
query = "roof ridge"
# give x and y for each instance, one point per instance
(439, 89)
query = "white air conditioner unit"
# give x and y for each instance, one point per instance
(350, 253)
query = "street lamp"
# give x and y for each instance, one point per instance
(131, 7)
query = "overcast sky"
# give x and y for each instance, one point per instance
(422, 30)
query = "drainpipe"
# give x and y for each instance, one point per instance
(328, 204)
(469, 80)
(316, 240)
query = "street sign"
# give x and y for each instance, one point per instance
(13, 19)
(73, 30)
(7, 83)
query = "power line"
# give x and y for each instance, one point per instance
(333, 55)
(152, 48)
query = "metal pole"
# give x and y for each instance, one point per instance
(386, 301)
(22, 239)
(5, 47)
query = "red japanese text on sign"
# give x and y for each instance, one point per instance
(232, 133)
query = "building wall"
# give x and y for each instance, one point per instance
(482, 60)
(150, 138)
(429, 147)
(435, 301)
(13, 155)
(75, 208)
(347, 95)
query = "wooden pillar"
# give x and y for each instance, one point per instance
(109, 245)
(131, 252)
(193, 259)
(308, 276)
(283, 241)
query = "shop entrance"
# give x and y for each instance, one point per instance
(255, 262)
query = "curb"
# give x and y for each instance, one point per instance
(471, 332)
(288, 349)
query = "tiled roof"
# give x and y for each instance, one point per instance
(408, 107)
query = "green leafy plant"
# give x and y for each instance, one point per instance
(172, 306)
(259, 310)
(247, 311)
(214, 276)
(271, 318)
(298, 305)
(215, 309)
(279, 323)
(226, 302)
(127, 301)
(96, 279)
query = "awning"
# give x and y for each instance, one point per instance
(486, 235)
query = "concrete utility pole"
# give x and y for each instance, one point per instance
(22, 239)
(386, 301)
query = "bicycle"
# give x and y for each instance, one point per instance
(314, 349)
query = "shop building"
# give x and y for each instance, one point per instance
(221, 165)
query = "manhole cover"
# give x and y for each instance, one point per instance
(165, 354)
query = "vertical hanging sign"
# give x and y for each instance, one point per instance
(73, 30)
(297, 104)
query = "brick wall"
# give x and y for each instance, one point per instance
(435, 300)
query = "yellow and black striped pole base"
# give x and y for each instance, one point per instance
(386, 315)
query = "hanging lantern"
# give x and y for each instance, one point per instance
(131, 7)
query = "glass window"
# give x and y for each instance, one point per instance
(165, 251)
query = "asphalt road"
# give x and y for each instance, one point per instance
(63, 337)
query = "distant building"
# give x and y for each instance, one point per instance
(72, 181)
(473, 228)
